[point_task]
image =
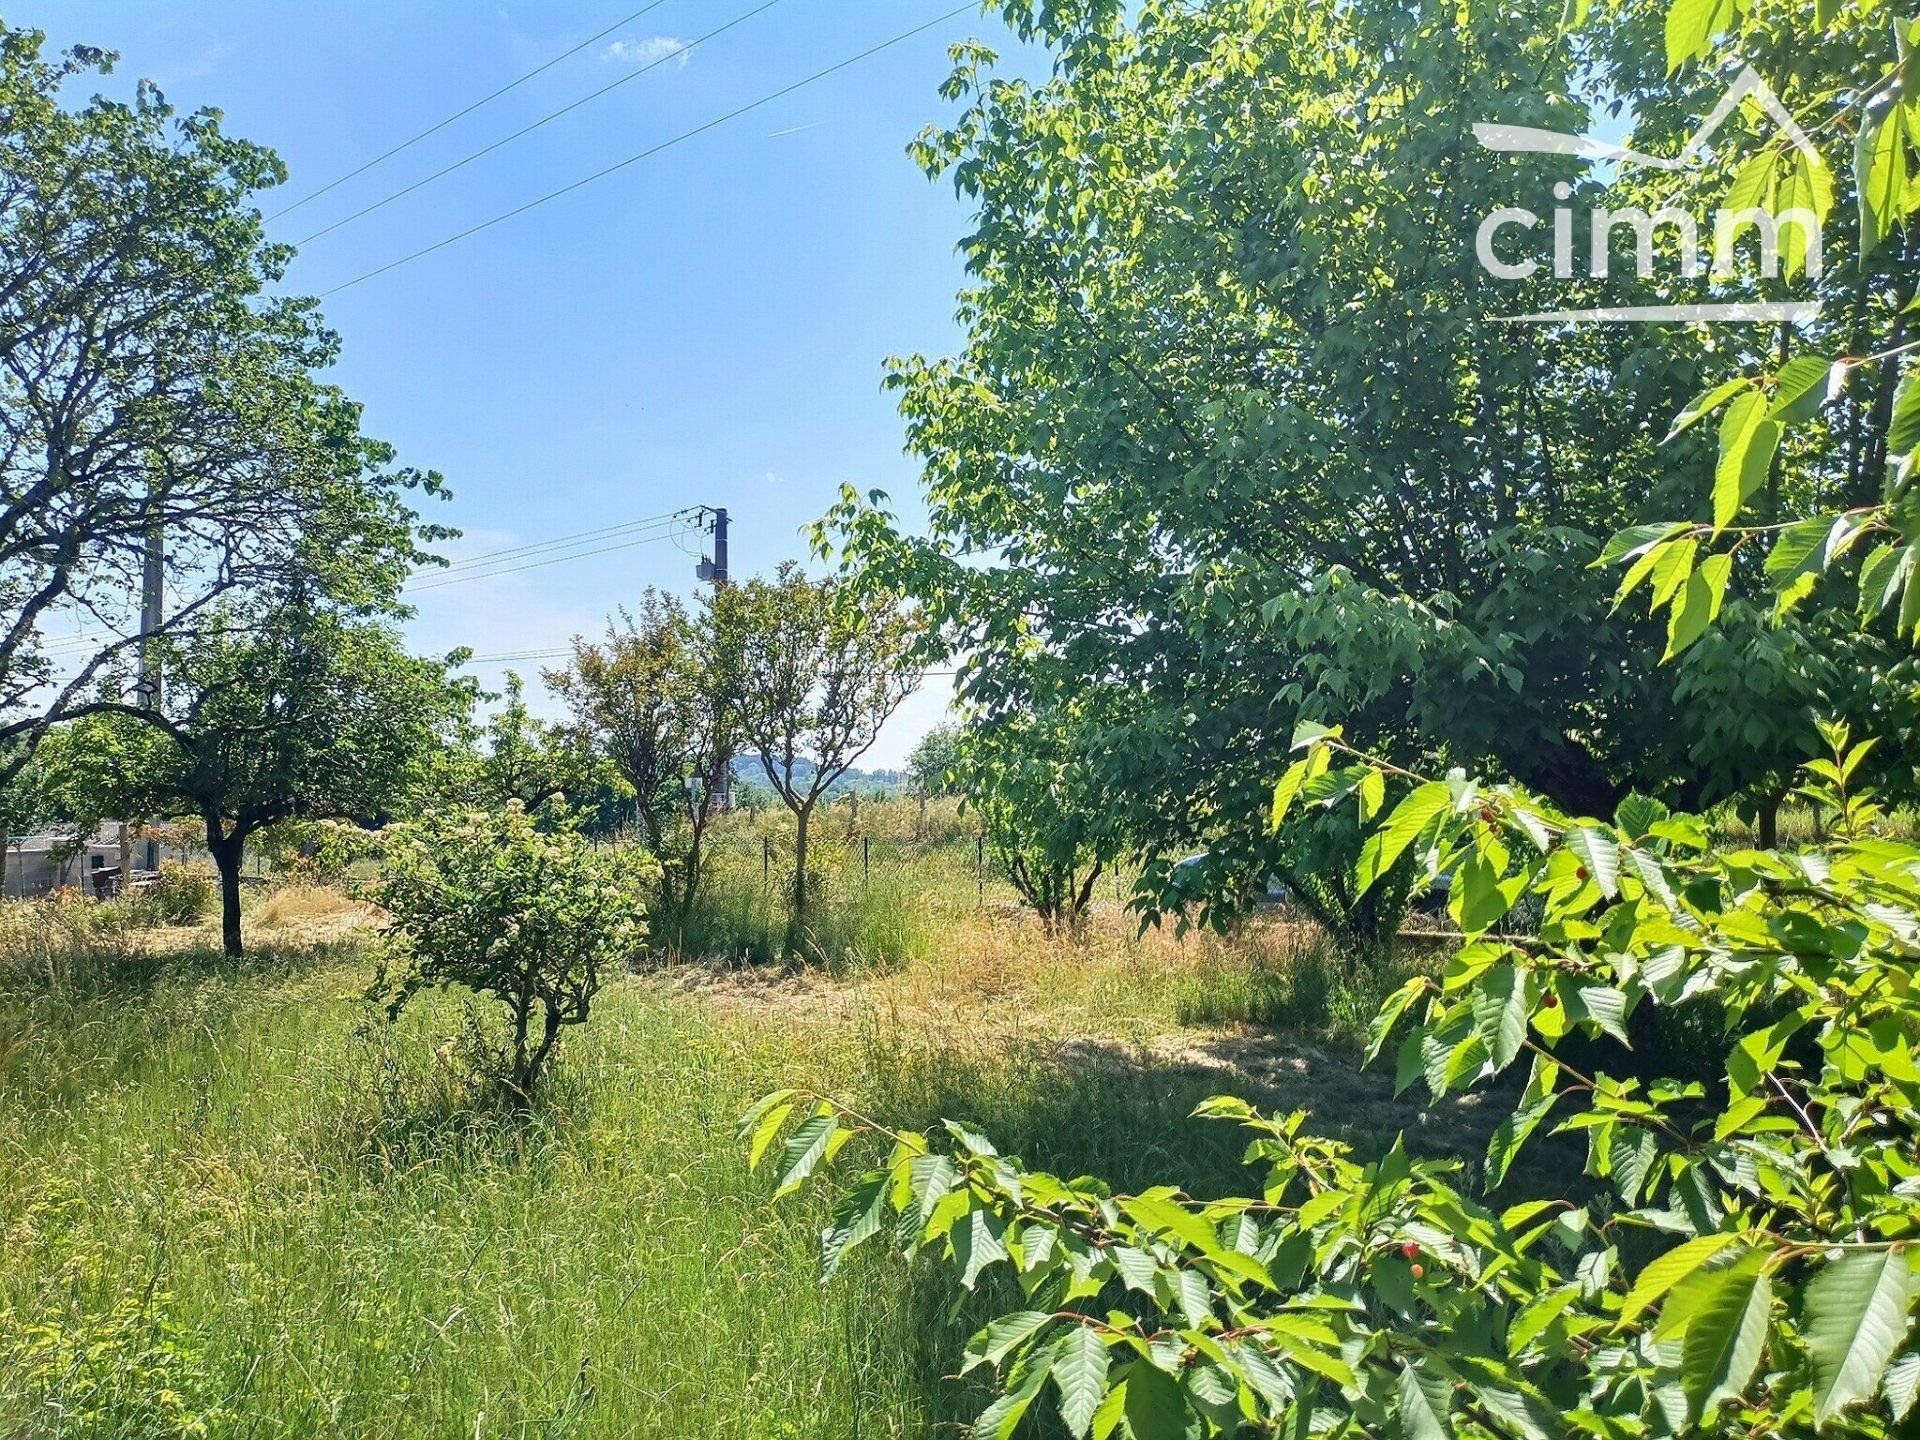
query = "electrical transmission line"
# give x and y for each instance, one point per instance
(438, 126)
(547, 119)
(491, 574)
(651, 151)
(605, 532)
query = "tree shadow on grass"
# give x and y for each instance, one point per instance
(1124, 1113)
(411, 1101)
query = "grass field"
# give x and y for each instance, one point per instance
(230, 1205)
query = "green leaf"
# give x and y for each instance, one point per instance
(1164, 1218)
(805, 1147)
(1671, 566)
(1694, 611)
(1804, 384)
(996, 1341)
(1636, 540)
(1396, 1006)
(1112, 1409)
(1752, 181)
(857, 1218)
(1809, 186)
(1725, 1337)
(1799, 548)
(1690, 25)
(1501, 1003)
(1424, 1401)
(1516, 1411)
(1883, 574)
(1156, 1410)
(1409, 818)
(1855, 1318)
(1080, 1370)
(1600, 854)
(1903, 429)
(976, 1245)
(1662, 1274)
(998, 1420)
(1286, 792)
(1880, 175)
(1903, 1385)
(764, 1132)
(1514, 1131)
(1747, 442)
(1309, 1345)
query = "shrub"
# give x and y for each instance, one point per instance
(1740, 1258)
(486, 901)
(180, 895)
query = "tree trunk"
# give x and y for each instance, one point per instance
(1769, 823)
(228, 855)
(804, 817)
(3, 864)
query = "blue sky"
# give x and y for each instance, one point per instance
(707, 326)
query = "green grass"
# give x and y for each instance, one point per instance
(342, 1242)
(228, 1201)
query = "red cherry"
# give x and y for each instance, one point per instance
(1418, 1271)
(1550, 1001)
(1581, 872)
(1410, 1250)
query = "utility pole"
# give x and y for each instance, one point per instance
(715, 570)
(146, 688)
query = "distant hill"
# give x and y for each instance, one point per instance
(867, 782)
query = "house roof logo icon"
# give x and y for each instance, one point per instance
(1748, 85)
(1524, 139)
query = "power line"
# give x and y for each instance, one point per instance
(514, 551)
(518, 655)
(547, 119)
(435, 128)
(537, 564)
(654, 150)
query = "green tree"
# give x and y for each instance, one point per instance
(154, 388)
(302, 715)
(931, 769)
(1042, 810)
(519, 757)
(487, 900)
(1237, 436)
(23, 806)
(817, 670)
(653, 698)
(1747, 1260)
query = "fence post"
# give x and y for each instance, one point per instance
(766, 859)
(980, 868)
(866, 860)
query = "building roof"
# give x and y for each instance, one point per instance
(107, 837)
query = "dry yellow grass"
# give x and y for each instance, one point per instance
(299, 911)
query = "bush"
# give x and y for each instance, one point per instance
(486, 901)
(1771, 1215)
(180, 895)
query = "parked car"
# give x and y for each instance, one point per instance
(1187, 873)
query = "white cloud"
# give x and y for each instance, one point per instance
(648, 51)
